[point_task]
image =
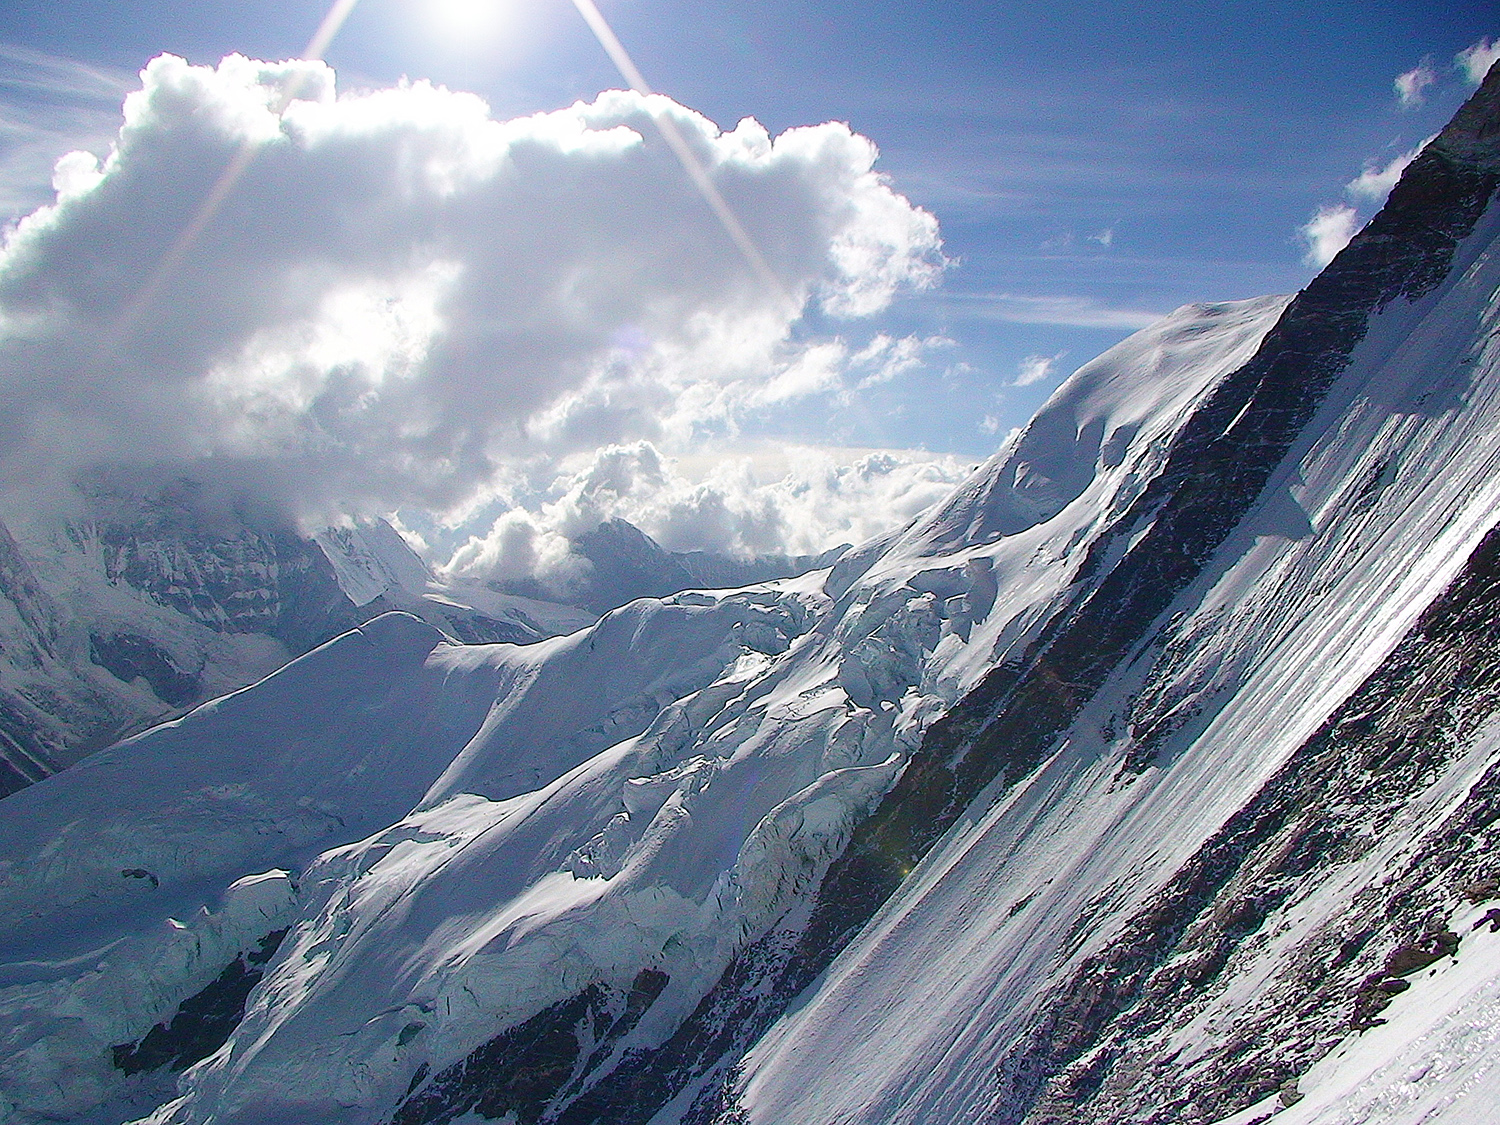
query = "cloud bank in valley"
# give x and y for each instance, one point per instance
(799, 502)
(404, 299)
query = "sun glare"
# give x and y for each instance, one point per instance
(467, 22)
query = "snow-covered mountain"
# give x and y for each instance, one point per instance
(1149, 778)
(154, 600)
(616, 562)
(110, 623)
(150, 601)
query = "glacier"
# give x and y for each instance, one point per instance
(1150, 777)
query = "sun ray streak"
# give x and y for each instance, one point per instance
(172, 260)
(328, 28)
(686, 157)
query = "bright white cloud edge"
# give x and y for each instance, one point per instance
(1060, 310)
(1411, 86)
(1476, 59)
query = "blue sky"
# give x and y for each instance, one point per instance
(1089, 165)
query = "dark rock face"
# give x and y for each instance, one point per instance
(1216, 469)
(26, 754)
(1334, 800)
(219, 568)
(523, 1069)
(224, 570)
(127, 656)
(203, 1022)
(30, 640)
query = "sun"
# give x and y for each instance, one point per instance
(467, 22)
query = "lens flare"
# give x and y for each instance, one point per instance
(688, 159)
(471, 24)
(471, 10)
(172, 260)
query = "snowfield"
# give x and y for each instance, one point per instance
(1371, 516)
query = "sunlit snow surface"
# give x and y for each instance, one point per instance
(1373, 512)
(1436, 1059)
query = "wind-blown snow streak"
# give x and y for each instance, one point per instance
(991, 969)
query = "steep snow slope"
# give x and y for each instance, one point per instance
(33, 637)
(153, 605)
(114, 853)
(155, 600)
(641, 798)
(370, 559)
(151, 599)
(1159, 918)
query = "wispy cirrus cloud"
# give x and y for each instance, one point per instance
(52, 105)
(1060, 310)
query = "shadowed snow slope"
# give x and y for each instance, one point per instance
(153, 599)
(1142, 780)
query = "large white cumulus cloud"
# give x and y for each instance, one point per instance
(401, 294)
